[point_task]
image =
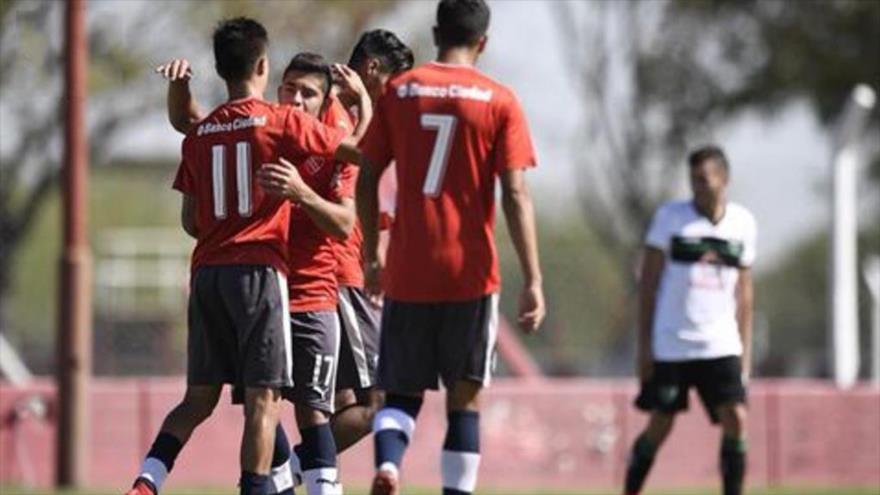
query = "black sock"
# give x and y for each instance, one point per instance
(254, 484)
(159, 461)
(460, 461)
(640, 461)
(733, 464)
(280, 458)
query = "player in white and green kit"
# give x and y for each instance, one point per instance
(696, 317)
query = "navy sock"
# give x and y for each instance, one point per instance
(463, 431)
(254, 484)
(281, 454)
(317, 448)
(461, 453)
(393, 427)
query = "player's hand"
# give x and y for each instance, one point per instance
(176, 70)
(645, 365)
(531, 308)
(373, 281)
(282, 179)
(349, 80)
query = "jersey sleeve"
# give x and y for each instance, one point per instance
(660, 231)
(305, 135)
(184, 181)
(514, 148)
(376, 143)
(346, 180)
(750, 240)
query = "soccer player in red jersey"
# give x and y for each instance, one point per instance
(323, 207)
(238, 331)
(378, 55)
(451, 131)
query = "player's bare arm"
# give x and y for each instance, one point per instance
(653, 261)
(520, 214)
(283, 179)
(188, 216)
(745, 297)
(183, 109)
(367, 194)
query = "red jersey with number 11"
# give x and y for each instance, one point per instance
(450, 130)
(237, 222)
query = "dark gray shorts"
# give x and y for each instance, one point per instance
(423, 342)
(315, 357)
(238, 327)
(359, 348)
(718, 382)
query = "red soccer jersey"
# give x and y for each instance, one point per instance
(312, 283)
(450, 130)
(237, 222)
(349, 271)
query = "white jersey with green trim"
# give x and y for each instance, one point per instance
(695, 312)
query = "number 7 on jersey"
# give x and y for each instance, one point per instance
(445, 127)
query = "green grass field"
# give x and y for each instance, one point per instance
(764, 491)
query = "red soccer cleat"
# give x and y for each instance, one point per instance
(141, 487)
(385, 483)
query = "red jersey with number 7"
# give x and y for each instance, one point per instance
(450, 130)
(238, 223)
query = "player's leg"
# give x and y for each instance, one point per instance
(407, 367)
(261, 408)
(210, 363)
(644, 450)
(724, 396)
(466, 356)
(664, 395)
(256, 300)
(280, 473)
(316, 352)
(357, 401)
(460, 460)
(197, 405)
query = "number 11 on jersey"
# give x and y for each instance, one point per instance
(445, 127)
(242, 178)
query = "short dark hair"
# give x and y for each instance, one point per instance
(311, 63)
(383, 45)
(238, 45)
(708, 152)
(461, 22)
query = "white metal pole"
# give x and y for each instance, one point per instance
(844, 281)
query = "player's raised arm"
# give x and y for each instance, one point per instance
(350, 81)
(183, 109)
(520, 215)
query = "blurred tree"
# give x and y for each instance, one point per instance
(792, 300)
(655, 78)
(31, 93)
(124, 44)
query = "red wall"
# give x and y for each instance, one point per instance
(559, 433)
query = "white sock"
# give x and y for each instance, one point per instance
(282, 478)
(459, 470)
(322, 481)
(154, 471)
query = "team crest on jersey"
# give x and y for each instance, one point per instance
(313, 164)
